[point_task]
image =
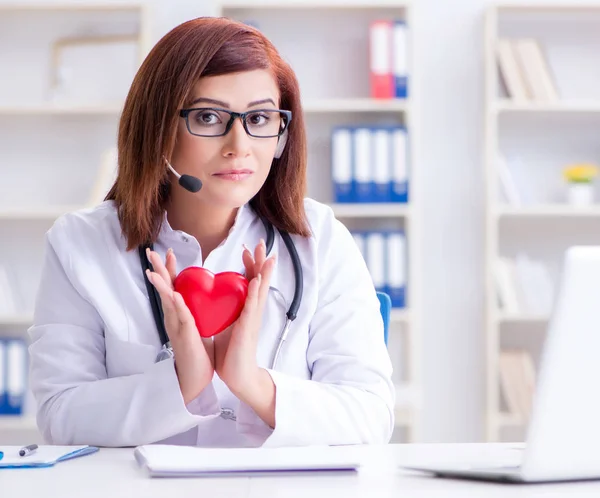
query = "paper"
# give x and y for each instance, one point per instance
(44, 456)
(165, 460)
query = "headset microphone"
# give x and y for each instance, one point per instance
(188, 182)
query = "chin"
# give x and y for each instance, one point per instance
(231, 200)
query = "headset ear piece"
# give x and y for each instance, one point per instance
(281, 144)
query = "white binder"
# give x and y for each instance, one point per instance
(382, 164)
(376, 259)
(16, 360)
(3, 407)
(396, 268)
(363, 176)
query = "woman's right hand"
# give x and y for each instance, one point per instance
(194, 356)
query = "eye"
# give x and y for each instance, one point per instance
(207, 118)
(258, 119)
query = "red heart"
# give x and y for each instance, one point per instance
(215, 301)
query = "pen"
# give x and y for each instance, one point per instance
(28, 450)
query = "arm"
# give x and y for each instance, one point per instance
(350, 397)
(77, 403)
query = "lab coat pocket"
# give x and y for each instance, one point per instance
(128, 358)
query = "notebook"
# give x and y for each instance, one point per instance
(44, 456)
(189, 461)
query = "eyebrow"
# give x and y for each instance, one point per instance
(226, 105)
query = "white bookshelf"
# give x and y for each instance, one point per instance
(339, 34)
(538, 138)
(52, 145)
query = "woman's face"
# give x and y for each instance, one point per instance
(233, 167)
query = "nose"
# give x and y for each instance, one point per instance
(237, 143)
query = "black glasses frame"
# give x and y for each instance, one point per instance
(184, 113)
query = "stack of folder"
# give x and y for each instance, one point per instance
(13, 375)
(386, 258)
(370, 164)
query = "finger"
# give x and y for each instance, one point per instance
(167, 301)
(266, 272)
(248, 260)
(171, 264)
(186, 319)
(158, 266)
(251, 301)
(260, 254)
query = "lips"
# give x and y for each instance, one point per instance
(234, 172)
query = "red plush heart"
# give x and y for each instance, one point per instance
(215, 301)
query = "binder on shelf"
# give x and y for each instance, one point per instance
(341, 160)
(359, 239)
(400, 63)
(376, 259)
(396, 268)
(380, 59)
(382, 165)
(399, 191)
(363, 172)
(3, 375)
(16, 372)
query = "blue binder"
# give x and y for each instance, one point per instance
(382, 164)
(3, 375)
(400, 176)
(396, 251)
(341, 165)
(400, 59)
(16, 378)
(362, 155)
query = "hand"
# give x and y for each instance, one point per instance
(194, 355)
(235, 347)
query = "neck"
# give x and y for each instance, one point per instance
(208, 224)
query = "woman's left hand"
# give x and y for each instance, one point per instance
(235, 348)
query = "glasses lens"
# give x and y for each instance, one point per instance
(208, 122)
(264, 123)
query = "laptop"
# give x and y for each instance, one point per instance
(563, 435)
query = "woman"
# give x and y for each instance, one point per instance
(93, 369)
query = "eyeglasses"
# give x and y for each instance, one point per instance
(215, 122)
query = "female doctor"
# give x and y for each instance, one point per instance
(212, 154)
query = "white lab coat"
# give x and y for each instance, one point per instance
(94, 342)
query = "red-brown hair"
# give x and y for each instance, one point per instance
(206, 46)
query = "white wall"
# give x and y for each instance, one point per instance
(449, 38)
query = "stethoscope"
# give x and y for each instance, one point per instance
(166, 350)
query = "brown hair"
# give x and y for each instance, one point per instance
(148, 126)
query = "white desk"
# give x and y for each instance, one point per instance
(114, 473)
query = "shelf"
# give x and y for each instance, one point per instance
(583, 106)
(524, 319)
(37, 213)
(312, 4)
(355, 105)
(18, 319)
(548, 210)
(61, 109)
(558, 7)
(368, 210)
(71, 6)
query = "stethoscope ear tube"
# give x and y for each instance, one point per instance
(298, 274)
(155, 303)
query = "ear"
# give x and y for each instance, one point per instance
(281, 144)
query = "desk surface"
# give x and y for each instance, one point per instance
(115, 473)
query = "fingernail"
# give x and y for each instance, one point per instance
(149, 275)
(262, 243)
(169, 251)
(246, 248)
(148, 252)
